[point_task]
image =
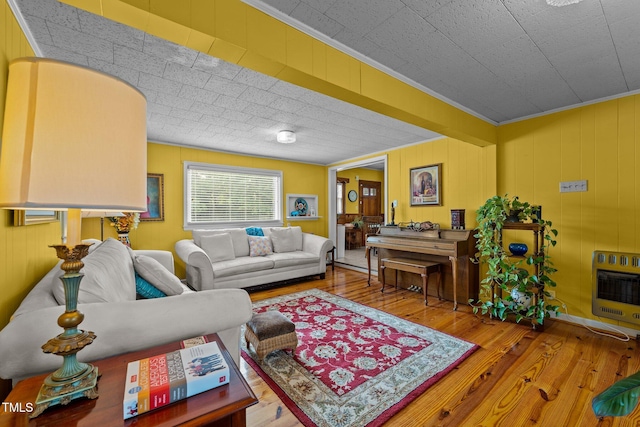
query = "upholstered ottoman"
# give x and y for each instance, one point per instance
(270, 331)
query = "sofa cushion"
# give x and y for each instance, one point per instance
(296, 258)
(146, 289)
(219, 247)
(108, 276)
(285, 240)
(153, 272)
(241, 265)
(260, 246)
(239, 238)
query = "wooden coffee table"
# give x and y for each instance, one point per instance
(222, 406)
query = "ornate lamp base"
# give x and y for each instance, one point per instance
(73, 379)
(62, 393)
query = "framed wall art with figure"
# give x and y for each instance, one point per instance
(426, 185)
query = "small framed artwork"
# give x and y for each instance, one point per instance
(155, 198)
(426, 185)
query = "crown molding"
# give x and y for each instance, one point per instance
(13, 4)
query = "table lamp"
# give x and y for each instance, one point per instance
(73, 139)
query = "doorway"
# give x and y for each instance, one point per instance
(378, 162)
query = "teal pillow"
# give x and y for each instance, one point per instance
(254, 231)
(146, 289)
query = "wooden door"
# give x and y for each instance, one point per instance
(369, 200)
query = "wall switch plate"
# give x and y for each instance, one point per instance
(573, 186)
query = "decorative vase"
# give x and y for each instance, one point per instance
(518, 249)
(521, 298)
(124, 238)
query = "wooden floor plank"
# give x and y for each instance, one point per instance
(518, 377)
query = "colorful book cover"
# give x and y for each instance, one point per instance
(131, 390)
(204, 368)
(177, 377)
(157, 381)
(143, 382)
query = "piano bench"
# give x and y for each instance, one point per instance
(423, 268)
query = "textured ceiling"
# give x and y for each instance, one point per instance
(199, 101)
(502, 59)
(499, 59)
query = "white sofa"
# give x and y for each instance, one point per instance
(225, 258)
(121, 322)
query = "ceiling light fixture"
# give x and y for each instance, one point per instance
(562, 2)
(286, 137)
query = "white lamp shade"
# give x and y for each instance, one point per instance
(72, 138)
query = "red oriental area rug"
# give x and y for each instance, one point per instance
(354, 365)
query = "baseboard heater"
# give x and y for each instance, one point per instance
(616, 286)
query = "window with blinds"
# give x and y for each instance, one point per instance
(224, 196)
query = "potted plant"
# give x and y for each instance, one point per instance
(511, 288)
(357, 222)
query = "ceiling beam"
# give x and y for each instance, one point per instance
(238, 33)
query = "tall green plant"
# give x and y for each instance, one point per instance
(507, 273)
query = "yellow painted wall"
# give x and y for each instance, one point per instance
(298, 178)
(597, 143)
(468, 179)
(366, 175)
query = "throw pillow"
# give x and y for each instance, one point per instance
(146, 289)
(153, 272)
(297, 234)
(238, 237)
(284, 240)
(259, 246)
(219, 247)
(254, 231)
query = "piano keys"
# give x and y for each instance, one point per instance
(454, 249)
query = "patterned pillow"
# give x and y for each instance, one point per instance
(254, 231)
(259, 246)
(146, 289)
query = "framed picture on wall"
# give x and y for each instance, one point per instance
(426, 185)
(155, 198)
(21, 217)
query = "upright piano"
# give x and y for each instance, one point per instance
(454, 249)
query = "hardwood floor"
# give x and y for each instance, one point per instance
(518, 377)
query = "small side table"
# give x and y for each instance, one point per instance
(222, 406)
(353, 238)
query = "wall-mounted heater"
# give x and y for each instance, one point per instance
(616, 286)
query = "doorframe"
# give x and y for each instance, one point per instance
(332, 176)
